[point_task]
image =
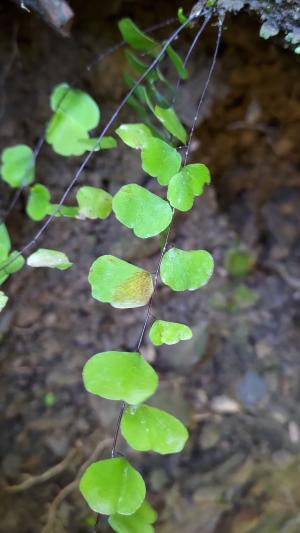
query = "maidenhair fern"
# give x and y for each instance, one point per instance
(112, 487)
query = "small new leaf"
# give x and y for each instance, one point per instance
(147, 428)
(135, 135)
(139, 522)
(186, 270)
(163, 332)
(171, 122)
(119, 283)
(113, 486)
(17, 165)
(49, 258)
(187, 184)
(38, 202)
(141, 210)
(122, 376)
(160, 160)
(93, 203)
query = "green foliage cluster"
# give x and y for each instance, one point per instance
(113, 487)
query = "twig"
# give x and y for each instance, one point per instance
(68, 489)
(30, 481)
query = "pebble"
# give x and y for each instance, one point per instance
(225, 405)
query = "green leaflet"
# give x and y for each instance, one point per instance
(93, 203)
(163, 332)
(171, 122)
(135, 135)
(139, 522)
(38, 202)
(177, 62)
(140, 67)
(189, 182)
(119, 283)
(122, 376)
(3, 300)
(49, 258)
(17, 262)
(5, 244)
(113, 486)
(160, 160)
(147, 428)
(17, 165)
(137, 39)
(142, 211)
(186, 270)
(76, 113)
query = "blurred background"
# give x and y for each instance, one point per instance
(236, 384)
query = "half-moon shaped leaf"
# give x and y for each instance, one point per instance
(160, 160)
(135, 135)
(49, 258)
(186, 270)
(76, 113)
(17, 165)
(147, 428)
(163, 332)
(142, 211)
(119, 283)
(122, 376)
(113, 486)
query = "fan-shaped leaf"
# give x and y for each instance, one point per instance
(113, 486)
(186, 270)
(94, 203)
(135, 135)
(119, 283)
(139, 522)
(49, 258)
(3, 300)
(171, 122)
(187, 184)
(136, 38)
(38, 202)
(160, 160)
(147, 428)
(163, 332)
(122, 376)
(17, 165)
(75, 114)
(141, 210)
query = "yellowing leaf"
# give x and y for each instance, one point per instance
(119, 283)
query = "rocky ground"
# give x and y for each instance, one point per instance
(236, 383)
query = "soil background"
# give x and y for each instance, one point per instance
(236, 384)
